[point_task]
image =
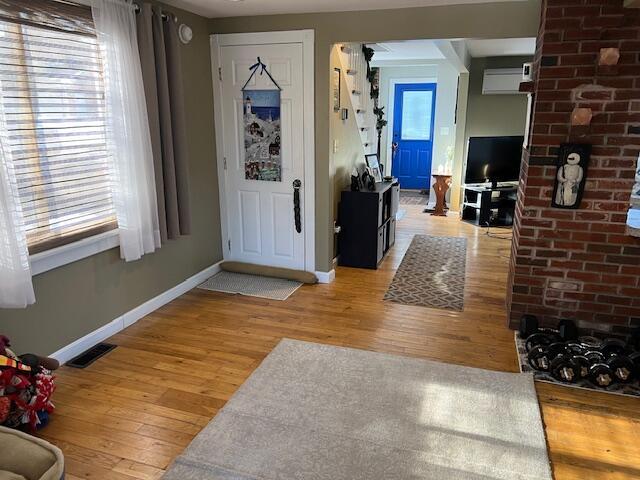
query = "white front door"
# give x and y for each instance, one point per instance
(260, 219)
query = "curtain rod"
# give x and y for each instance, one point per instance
(165, 17)
(136, 6)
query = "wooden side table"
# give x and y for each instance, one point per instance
(440, 187)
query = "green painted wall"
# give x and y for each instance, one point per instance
(76, 299)
(488, 20)
(81, 297)
(494, 114)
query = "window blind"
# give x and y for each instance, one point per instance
(52, 14)
(53, 99)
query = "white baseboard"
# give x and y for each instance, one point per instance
(326, 277)
(76, 348)
(132, 316)
(330, 276)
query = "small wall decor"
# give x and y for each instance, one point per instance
(609, 56)
(262, 134)
(581, 116)
(573, 160)
(335, 83)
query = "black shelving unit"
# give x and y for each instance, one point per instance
(368, 225)
(489, 206)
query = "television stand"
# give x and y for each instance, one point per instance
(489, 206)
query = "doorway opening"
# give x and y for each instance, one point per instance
(413, 121)
(415, 104)
(265, 139)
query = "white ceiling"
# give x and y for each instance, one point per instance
(408, 50)
(502, 47)
(231, 8)
(412, 51)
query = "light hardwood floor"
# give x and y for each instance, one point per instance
(131, 412)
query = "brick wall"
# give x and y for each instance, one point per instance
(580, 264)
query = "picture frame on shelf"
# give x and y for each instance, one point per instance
(374, 166)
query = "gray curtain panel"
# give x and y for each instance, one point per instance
(159, 48)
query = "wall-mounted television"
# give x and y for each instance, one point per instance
(493, 159)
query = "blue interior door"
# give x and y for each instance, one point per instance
(413, 117)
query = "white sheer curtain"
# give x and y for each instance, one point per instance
(16, 289)
(128, 135)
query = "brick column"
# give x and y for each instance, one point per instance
(580, 264)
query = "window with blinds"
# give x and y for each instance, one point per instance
(52, 94)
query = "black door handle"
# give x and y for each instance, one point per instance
(296, 204)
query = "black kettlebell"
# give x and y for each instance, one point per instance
(568, 330)
(528, 325)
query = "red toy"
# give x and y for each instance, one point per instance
(26, 387)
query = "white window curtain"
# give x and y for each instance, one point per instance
(128, 137)
(16, 289)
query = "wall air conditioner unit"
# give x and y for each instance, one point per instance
(501, 81)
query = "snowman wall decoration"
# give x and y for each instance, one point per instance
(571, 175)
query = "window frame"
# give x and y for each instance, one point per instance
(72, 252)
(56, 257)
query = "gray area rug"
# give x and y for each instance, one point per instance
(251, 285)
(320, 412)
(431, 273)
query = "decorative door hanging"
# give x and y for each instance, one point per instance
(262, 158)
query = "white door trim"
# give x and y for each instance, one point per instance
(391, 110)
(306, 38)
